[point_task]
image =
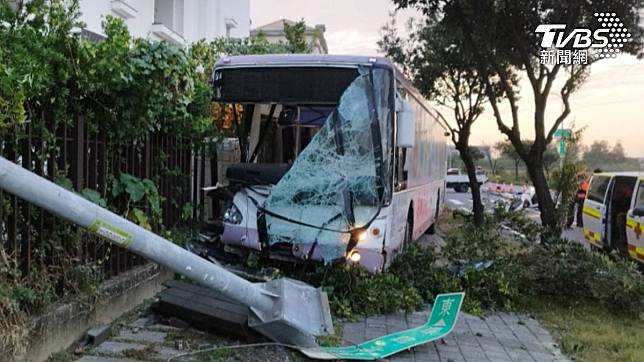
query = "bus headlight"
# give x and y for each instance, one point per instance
(233, 215)
(354, 256)
(362, 236)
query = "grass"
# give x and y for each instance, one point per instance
(589, 333)
(333, 340)
(62, 356)
(220, 355)
(144, 354)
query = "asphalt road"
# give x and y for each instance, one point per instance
(455, 200)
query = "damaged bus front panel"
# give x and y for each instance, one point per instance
(319, 152)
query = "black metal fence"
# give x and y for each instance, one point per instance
(85, 158)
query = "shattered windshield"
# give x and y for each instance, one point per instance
(340, 180)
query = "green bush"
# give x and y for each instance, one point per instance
(416, 277)
(569, 274)
(559, 270)
(419, 267)
(514, 277)
(354, 292)
(468, 242)
(493, 288)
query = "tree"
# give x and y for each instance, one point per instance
(598, 152)
(491, 154)
(447, 75)
(501, 37)
(601, 155)
(205, 55)
(508, 150)
(295, 39)
(618, 150)
(476, 153)
(550, 159)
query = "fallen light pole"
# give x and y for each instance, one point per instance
(283, 310)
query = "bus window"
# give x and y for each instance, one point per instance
(401, 169)
(598, 188)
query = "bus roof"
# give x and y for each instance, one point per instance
(302, 60)
(331, 60)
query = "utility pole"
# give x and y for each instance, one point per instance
(283, 310)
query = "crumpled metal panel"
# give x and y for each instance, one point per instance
(332, 186)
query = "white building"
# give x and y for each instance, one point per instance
(178, 21)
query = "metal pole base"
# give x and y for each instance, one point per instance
(300, 313)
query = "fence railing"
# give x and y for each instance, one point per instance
(86, 158)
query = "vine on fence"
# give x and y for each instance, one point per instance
(119, 97)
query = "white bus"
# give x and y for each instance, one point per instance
(342, 159)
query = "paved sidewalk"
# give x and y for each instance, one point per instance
(147, 340)
(496, 337)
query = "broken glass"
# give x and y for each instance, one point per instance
(383, 94)
(337, 183)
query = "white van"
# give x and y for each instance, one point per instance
(634, 221)
(613, 211)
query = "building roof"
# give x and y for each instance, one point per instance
(303, 60)
(276, 28)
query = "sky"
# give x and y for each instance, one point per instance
(610, 104)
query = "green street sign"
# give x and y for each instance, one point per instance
(440, 323)
(563, 133)
(562, 147)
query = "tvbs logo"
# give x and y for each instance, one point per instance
(572, 46)
(581, 38)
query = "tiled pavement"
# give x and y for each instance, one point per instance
(496, 337)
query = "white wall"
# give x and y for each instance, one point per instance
(238, 10)
(92, 13)
(203, 19)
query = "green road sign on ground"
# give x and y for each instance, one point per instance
(440, 323)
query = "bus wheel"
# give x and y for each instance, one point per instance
(434, 226)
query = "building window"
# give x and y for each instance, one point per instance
(169, 13)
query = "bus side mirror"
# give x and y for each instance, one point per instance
(405, 124)
(638, 211)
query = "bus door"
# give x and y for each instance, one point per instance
(594, 210)
(635, 223)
